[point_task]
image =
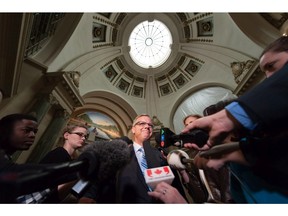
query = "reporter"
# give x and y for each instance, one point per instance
(73, 136)
(252, 111)
(17, 133)
(261, 114)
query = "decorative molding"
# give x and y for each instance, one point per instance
(240, 69)
(98, 32)
(110, 73)
(137, 91)
(192, 68)
(120, 18)
(156, 122)
(64, 89)
(109, 62)
(277, 23)
(123, 85)
(205, 27)
(52, 100)
(196, 59)
(165, 89)
(182, 17)
(180, 81)
(198, 17)
(107, 15)
(75, 76)
(251, 78)
(203, 40)
(103, 45)
(62, 113)
(105, 21)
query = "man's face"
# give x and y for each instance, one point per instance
(142, 129)
(271, 62)
(189, 120)
(23, 134)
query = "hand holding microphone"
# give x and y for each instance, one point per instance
(99, 161)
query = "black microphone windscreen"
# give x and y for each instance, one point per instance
(105, 159)
(126, 139)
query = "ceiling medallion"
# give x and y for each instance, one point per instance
(150, 44)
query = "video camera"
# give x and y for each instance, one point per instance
(167, 138)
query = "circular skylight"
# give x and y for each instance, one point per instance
(150, 44)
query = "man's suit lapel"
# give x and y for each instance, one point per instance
(152, 158)
(138, 169)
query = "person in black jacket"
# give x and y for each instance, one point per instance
(74, 136)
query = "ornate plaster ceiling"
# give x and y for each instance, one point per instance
(209, 49)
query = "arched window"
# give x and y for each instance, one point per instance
(197, 102)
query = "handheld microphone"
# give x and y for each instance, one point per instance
(178, 159)
(166, 138)
(156, 175)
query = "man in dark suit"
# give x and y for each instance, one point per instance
(131, 185)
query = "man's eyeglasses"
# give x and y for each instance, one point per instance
(142, 124)
(80, 134)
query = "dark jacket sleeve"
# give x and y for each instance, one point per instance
(267, 103)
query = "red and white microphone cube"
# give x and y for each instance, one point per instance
(156, 175)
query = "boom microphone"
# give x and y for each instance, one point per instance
(98, 162)
(105, 158)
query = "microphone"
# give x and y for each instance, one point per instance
(98, 162)
(166, 138)
(105, 158)
(156, 175)
(178, 159)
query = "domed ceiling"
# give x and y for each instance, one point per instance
(207, 49)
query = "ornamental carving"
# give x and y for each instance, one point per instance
(75, 76)
(156, 122)
(240, 69)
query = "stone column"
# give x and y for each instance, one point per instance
(43, 105)
(49, 137)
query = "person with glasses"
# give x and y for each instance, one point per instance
(131, 184)
(74, 136)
